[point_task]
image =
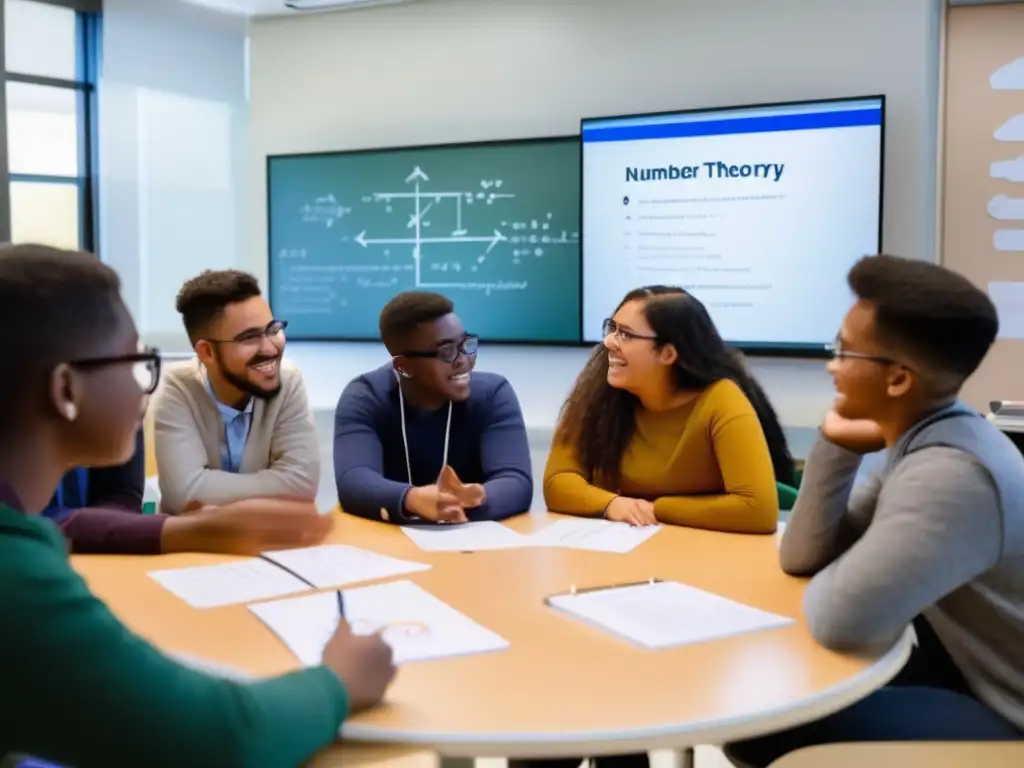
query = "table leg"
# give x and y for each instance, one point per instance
(687, 758)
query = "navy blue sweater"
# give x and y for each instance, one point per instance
(487, 445)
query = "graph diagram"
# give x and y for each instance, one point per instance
(440, 239)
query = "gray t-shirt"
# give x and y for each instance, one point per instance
(936, 533)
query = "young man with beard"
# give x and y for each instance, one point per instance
(233, 423)
(936, 538)
(424, 438)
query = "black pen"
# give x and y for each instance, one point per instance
(341, 605)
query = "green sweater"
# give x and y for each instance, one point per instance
(82, 690)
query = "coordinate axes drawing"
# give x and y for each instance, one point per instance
(434, 266)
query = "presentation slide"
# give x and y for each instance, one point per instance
(494, 227)
(759, 212)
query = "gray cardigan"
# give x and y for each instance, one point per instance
(281, 456)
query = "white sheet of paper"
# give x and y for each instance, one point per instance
(336, 565)
(666, 614)
(468, 537)
(211, 586)
(597, 535)
(1009, 300)
(417, 625)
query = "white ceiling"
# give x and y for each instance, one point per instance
(252, 7)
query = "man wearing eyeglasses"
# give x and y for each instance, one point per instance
(935, 539)
(425, 438)
(233, 423)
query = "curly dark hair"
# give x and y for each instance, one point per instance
(600, 420)
(406, 311)
(202, 300)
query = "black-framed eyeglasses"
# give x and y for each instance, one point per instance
(609, 327)
(449, 351)
(839, 352)
(145, 366)
(254, 336)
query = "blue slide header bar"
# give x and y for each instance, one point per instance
(712, 124)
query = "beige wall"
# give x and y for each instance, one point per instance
(981, 41)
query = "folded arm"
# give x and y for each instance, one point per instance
(115, 700)
(185, 479)
(750, 503)
(359, 459)
(567, 489)
(113, 532)
(505, 458)
(937, 526)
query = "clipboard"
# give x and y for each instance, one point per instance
(573, 591)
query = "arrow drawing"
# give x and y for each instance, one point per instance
(416, 175)
(492, 240)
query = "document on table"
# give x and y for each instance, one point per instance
(467, 537)
(664, 614)
(211, 586)
(417, 625)
(597, 535)
(335, 565)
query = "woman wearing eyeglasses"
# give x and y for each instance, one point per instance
(426, 438)
(665, 425)
(80, 688)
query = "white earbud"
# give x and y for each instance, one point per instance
(70, 412)
(404, 374)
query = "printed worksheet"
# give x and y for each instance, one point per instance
(467, 537)
(664, 614)
(596, 535)
(417, 625)
(211, 586)
(335, 565)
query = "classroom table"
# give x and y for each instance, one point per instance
(563, 688)
(356, 755)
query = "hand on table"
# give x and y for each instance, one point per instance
(637, 512)
(431, 503)
(857, 435)
(246, 527)
(469, 496)
(364, 664)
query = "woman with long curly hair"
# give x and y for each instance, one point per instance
(665, 425)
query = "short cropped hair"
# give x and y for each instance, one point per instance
(58, 306)
(202, 300)
(406, 311)
(935, 315)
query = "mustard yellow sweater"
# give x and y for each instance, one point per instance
(704, 464)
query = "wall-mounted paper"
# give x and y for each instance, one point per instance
(1011, 130)
(1009, 77)
(1011, 170)
(1009, 240)
(1006, 208)
(1009, 300)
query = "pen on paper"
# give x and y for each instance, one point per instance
(341, 605)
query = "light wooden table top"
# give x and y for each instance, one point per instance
(562, 688)
(934, 754)
(355, 755)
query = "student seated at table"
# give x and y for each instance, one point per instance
(665, 425)
(935, 538)
(81, 688)
(428, 410)
(233, 423)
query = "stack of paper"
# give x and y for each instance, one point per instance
(211, 586)
(665, 614)
(597, 535)
(417, 625)
(335, 565)
(467, 537)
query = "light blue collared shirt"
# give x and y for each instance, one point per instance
(236, 431)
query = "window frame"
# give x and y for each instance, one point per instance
(88, 37)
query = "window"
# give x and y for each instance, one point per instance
(51, 50)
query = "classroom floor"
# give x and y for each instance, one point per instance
(706, 757)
